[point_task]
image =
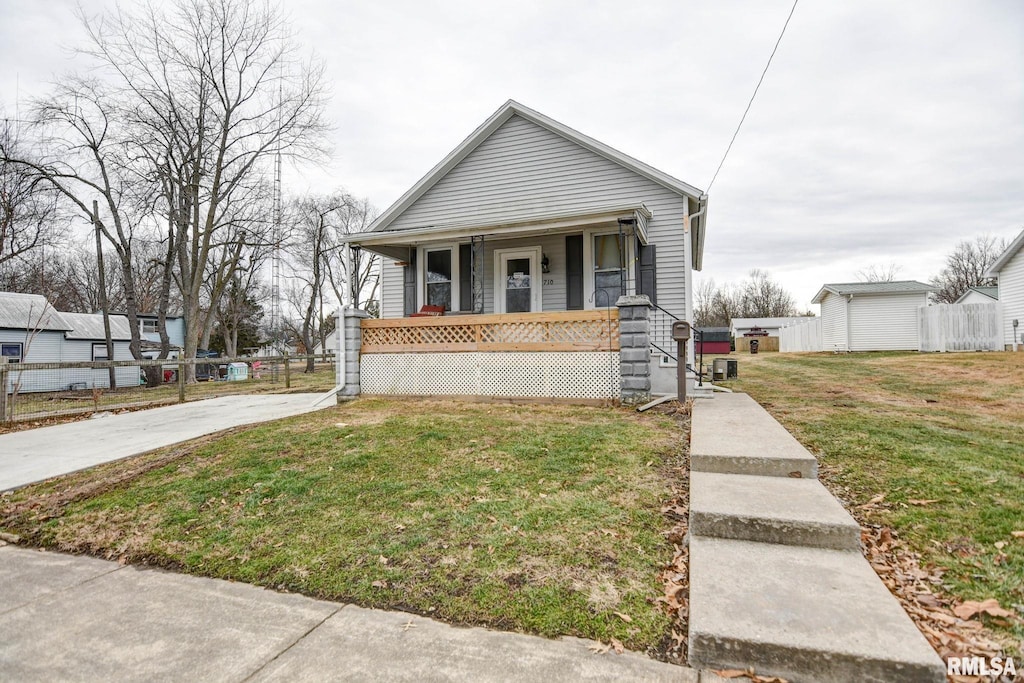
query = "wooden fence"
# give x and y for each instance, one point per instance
(40, 391)
(961, 327)
(555, 331)
(763, 344)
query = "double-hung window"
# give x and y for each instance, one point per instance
(441, 277)
(99, 352)
(609, 270)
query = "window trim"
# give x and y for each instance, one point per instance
(102, 347)
(21, 352)
(589, 272)
(421, 276)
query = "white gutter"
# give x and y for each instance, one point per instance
(555, 222)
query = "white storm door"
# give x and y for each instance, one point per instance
(517, 282)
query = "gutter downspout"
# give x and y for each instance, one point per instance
(688, 271)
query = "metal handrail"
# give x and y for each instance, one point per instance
(656, 341)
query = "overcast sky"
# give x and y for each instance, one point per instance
(885, 132)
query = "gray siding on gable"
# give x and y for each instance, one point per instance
(525, 171)
(1011, 296)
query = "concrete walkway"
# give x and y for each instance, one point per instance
(36, 454)
(777, 579)
(71, 618)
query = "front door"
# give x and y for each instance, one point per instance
(517, 284)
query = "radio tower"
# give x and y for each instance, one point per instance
(275, 283)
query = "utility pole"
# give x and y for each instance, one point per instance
(104, 306)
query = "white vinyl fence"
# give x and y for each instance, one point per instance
(961, 327)
(801, 337)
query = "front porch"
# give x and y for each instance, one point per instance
(596, 356)
(554, 262)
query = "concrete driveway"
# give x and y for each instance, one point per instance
(37, 454)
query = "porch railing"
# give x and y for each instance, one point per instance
(596, 330)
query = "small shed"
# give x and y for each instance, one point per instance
(872, 316)
(1009, 269)
(979, 295)
(713, 340)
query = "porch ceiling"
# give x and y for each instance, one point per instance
(394, 244)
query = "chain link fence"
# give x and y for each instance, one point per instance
(41, 391)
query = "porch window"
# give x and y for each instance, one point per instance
(608, 270)
(439, 278)
(10, 353)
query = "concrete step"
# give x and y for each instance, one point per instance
(770, 510)
(732, 434)
(805, 614)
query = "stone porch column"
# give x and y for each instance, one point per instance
(634, 349)
(352, 344)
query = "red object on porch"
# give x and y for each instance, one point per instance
(429, 311)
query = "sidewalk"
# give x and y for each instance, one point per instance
(73, 618)
(36, 454)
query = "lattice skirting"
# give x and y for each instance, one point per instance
(555, 374)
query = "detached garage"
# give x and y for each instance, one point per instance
(872, 316)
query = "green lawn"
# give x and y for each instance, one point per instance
(940, 435)
(543, 519)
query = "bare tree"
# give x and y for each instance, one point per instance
(715, 306)
(354, 217)
(879, 272)
(214, 91)
(756, 297)
(309, 248)
(28, 207)
(83, 152)
(966, 266)
(764, 298)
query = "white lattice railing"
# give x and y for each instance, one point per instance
(556, 331)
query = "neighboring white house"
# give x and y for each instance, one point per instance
(149, 328)
(979, 295)
(740, 326)
(32, 331)
(871, 316)
(1009, 269)
(330, 347)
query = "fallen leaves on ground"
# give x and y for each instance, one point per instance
(675, 575)
(969, 608)
(918, 590)
(749, 674)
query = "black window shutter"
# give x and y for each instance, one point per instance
(574, 272)
(646, 271)
(409, 288)
(465, 278)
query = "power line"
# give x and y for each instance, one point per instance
(751, 102)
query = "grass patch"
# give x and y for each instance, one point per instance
(941, 435)
(542, 519)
